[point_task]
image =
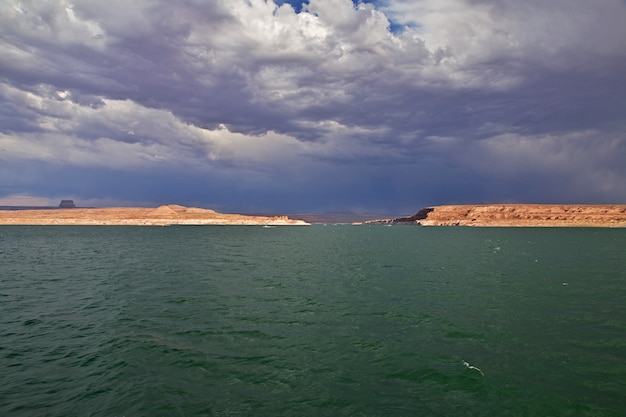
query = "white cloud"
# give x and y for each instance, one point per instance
(483, 30)
(124, 134)
(50, 22)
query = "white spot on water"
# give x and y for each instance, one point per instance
(472, 367)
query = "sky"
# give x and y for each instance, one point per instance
(301, 107)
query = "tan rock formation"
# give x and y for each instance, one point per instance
(126, 216)
(518, 215)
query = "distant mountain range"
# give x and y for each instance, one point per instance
(65, 204)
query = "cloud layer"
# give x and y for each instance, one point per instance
(254, 105)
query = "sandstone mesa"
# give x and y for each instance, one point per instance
(517, 215)
(133, 216)
(495, 215)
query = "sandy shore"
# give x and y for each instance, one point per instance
(127, 216)
(517, 215)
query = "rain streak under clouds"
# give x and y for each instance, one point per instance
(383, 106)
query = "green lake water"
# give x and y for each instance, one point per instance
(312, 321)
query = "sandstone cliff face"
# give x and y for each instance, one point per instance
(518, 215)
(124, 216)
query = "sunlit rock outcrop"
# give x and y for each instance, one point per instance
(512, 215)
(120, 216)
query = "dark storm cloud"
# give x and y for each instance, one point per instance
(480, 100)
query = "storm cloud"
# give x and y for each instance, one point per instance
(321, 105)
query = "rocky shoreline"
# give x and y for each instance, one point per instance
(133, 216)
(516, 215)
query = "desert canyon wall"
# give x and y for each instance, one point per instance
(517, 215)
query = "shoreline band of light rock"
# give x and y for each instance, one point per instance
(516, 215)
(494, 215)
(127, 216)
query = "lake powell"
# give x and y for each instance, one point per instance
(312, 321)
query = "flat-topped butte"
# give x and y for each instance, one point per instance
(516, 215)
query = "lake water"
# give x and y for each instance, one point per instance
(312, 321)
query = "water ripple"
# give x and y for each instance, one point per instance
(319, 321)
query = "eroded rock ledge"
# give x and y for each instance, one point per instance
(517, 215)
(127, 216)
